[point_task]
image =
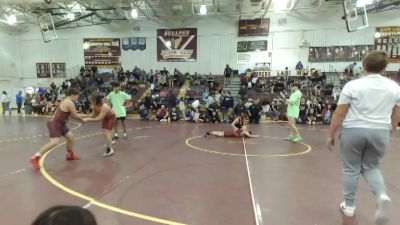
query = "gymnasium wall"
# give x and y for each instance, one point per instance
(10, 61)
(217, 40)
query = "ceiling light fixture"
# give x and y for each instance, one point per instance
(11, 19)
(282, 4)
(71, 16)
(362, 3)
(203, 10)
(134, 13)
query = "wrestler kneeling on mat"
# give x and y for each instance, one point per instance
(58, 128)
(102, 112)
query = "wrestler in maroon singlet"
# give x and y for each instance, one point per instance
(58, 128)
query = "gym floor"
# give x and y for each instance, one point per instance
(171, 174)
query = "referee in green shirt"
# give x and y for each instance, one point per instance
(293, 110)
(119, 100)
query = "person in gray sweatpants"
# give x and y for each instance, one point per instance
(362, 151)
(368, 109)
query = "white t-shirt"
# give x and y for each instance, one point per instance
(372, 99)
(4, 98)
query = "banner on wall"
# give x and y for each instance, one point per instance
(102, 52)
(43, 70)
(51, 70)
(338, 53)
(252, 46)
(177, 45)
(388, 39)
(134, 43)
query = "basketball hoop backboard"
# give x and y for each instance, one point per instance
(355, 15)
(47, 28)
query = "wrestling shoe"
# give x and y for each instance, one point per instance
(35, 160)
(297, 138)
(112, 144)
(109, 152)
(72, 156)
(290, 138)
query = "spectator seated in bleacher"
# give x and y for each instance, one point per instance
(303, 111)
(144, 113)
(204, 115)
(299, 66)
(174, 115)
(243, 92)
(274, 111)
(311, 116)
(162, 114)
(227, 104)
(327, 114)
(239, 108)
(254, 112)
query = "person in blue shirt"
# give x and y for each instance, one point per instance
(19, 99)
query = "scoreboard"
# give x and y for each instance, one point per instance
(256, 27)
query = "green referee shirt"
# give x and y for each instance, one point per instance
(118, 102)
(293, 110)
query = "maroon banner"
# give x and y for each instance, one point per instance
(102, 52)
(177, 45)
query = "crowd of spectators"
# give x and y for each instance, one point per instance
(205, 100)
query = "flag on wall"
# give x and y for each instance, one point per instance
(177, 45)
(134, 43)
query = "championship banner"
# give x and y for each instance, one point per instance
(388, 40)
(252, 46)
(177, 45)
(102, 52)
(338, 53)
(134, 43)
(43, 70)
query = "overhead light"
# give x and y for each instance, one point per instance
(11, 19)
(377, 35)
(134, 13)
(203, 10)
(86, 45)
(71, 16)
(281, 4)
(362, 3)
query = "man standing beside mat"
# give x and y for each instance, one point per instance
(368, 109)
(119, 100)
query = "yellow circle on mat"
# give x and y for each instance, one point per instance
(307, 150)
(93, 201)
